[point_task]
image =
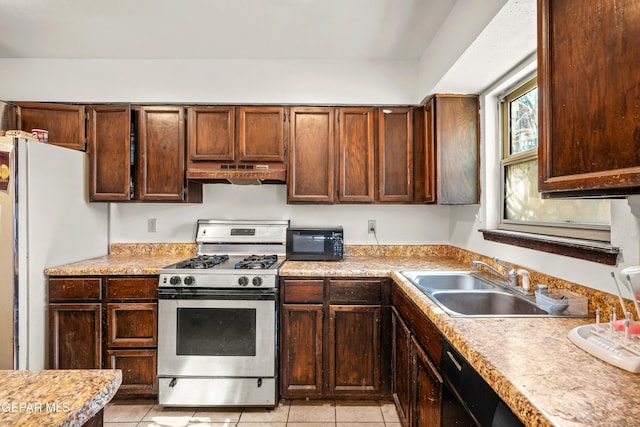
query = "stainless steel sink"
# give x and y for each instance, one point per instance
(465, 294)
(486, 303)
(446, 280)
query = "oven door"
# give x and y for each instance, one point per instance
(212, 333)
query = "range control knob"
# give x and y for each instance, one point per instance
(175, 280)
(189, 280)
(243, 281)
(257, 281)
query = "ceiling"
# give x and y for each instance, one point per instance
(220, 29)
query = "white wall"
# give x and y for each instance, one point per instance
(401, 224)
(466, 21)
(209, 81)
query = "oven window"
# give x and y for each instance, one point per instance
(308, 244)
(216, 332)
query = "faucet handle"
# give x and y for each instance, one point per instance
(510, 270)
(525, 278)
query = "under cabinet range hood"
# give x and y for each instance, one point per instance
(237, 144)
(243, 174)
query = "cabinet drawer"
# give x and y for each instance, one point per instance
(75, 289)
(138, 371)
(355, 292)
(132, 325)
(131, 289)
(303, 291)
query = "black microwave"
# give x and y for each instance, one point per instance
(315, 243)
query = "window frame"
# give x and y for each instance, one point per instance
(582, 232)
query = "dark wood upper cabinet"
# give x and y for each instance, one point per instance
(589, 123)
(161, 147)
(395, 154)
(138, 153)
(64, 122)
(109, 134)
(237, 142)
(311, 156)
(261, 134)
(450, 152)
(211, 133)
(356, 148)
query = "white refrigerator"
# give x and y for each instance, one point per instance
(45, 220)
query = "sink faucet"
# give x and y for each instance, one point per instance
(510, 274)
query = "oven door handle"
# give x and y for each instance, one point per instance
(217, 294)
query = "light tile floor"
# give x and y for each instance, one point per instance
(289, 413)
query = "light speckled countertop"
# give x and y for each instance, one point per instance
(55, 397)
(530, 362)
(118, 264)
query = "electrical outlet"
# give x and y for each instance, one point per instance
(151, 225)
(371, 226)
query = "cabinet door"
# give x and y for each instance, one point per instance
(211, 133)
(138, 368)
(161, 171)
(261, 134)
(455, 132)
(426, 398)
(64, 122)
(589, 124)
(301, 350)
(401, 367)
(75, 337)
(311, 157)
(425, 166)
(354, 350)
(356, 155)
(395, 155)
(109, 149)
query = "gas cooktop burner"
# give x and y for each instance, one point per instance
(202, 261)
(262, 262)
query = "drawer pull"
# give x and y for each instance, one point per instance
(455, 362)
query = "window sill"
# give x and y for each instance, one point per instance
(581, 249)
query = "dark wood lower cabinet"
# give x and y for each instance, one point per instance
(301, 350)
(354, 349)
(335, 336)
(401, 367)
(426, 389)
(417, 386)
(138, 368)
(131, 324)
(75, 336)
(114, 326)
(96, 420)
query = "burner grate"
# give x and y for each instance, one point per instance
(261, 262)
(202, 261)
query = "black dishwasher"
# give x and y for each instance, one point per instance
(470, 392)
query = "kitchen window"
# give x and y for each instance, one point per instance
(525, 214)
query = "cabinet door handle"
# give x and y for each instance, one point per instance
(453, 359)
